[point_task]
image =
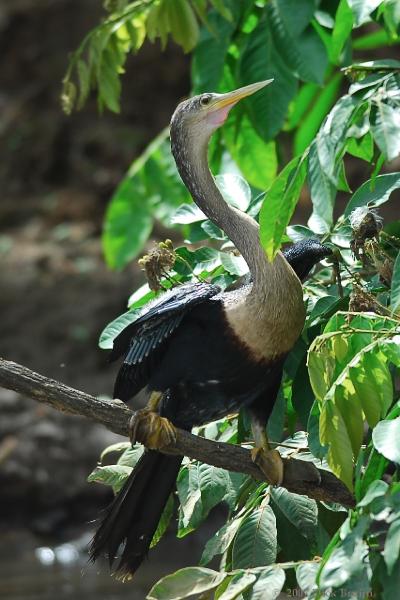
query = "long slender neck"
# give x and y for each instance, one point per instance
(269, 317)
(242, 230)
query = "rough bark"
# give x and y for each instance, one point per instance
(301, 477)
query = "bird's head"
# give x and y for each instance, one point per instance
(302, 256)
(201, 115)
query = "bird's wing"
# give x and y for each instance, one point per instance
(143, 341)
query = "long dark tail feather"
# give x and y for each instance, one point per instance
(133, 516)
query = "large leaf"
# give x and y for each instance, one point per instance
(303, 52)
(209, 56)
(111, 331)
(301, 511)
(341, 30)
(385, 126)
(347, 559)
(279, 204)
(255, 542)
(185, 583)
(268, 585)
(114, 475)
(374, 192)
(362, 10)
(237, 584)
(261, 59)
(255, 158)
(220, 540)
(386, 439)
(392, 545)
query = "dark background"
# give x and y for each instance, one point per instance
(57, 174)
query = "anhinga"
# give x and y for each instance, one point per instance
(204, 353)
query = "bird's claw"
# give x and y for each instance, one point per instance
(155, 432)
(270, 463)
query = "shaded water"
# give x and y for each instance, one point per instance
(30, 570)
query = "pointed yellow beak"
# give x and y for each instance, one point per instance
(231, 98)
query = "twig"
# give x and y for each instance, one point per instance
(301, 477)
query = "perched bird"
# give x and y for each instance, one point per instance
(203, 353)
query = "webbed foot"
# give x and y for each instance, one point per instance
(155, 432)
(270, 463)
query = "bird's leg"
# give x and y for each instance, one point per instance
(268, 461)
(155, 432)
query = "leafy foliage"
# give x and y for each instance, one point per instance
(340, 381)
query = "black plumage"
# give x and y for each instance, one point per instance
(181, 345)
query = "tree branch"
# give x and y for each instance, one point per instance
(301, 477)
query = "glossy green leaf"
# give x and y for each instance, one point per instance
(261, 59)
(209, 56)
(183, 24)
(374, 193)
(113, 475)
(385, 128)
(303, 52)
(237, 584)
(255, 542)
(256, 158)
(235, 265)
(362, 10)
(361, 148)
(306, 575)
(341, 30)
(317, 113)
(111, 331)
(301, 511)
(279, 204)
(220, 541)
(235, 190)
(268, 585)
(386, 439)
(165, 519)
(185, 583)
(187, 214)
(347, 559)
(392, 545)
(334, 434)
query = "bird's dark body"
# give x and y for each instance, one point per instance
(183, 347)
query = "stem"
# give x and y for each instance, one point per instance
(300, 477)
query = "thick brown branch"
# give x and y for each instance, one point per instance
(301, 477)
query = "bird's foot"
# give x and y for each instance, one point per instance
(155, 432)
(270, 463)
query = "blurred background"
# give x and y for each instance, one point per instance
(57, 174)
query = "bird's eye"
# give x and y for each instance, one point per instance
(205, 99)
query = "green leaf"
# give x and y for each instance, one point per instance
(333, 433)
(187, 214)
(306, 575)
(261, 59)
(131, 455)
(111, 331)
(269, 584)
(392, 545)
(237, 584)
(374, 193)
(323, 193)
(183, 24)
(386, 439)
(255, 158)
(185, 583)
(341, 30)
(255, 542)
(317, 113)
(127, 225)
(117, 447)
(303, 52)
(395, 289)
(114, 475)
(362, 10)
(165, 519)
(209, 56)
(347, 559)
(301, 511)
(385, 127)
(235, 265)
(362, 147)
(235, 190)
(220, 541)
(375, 490)
(279, 204)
